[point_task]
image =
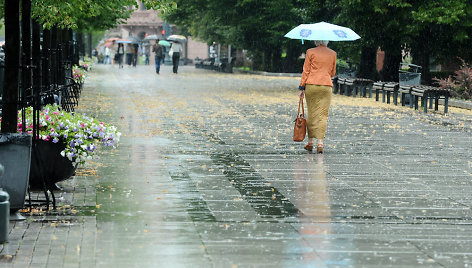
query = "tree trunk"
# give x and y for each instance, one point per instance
(266, 60)
(257, 60)
(367, 66)
(80, 41)
(12, 61)
(54, 55)
(26, 74)
(89, 52)
(37, 57)
(276, 60)
(421, 52)
(290, 64)
(46, 58)
(393, 58)
(37, 81)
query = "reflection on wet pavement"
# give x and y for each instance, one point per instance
(207, 176)
(266, 200)
(208, 171)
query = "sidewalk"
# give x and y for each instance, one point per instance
(206, 175)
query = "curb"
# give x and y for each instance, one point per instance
(267, 73)
(458, 104)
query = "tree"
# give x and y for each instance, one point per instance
(440, 29)
(257, 26)
(426, 27)
(96, 14)
(60, 14)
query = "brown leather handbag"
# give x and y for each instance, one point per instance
(299, 131)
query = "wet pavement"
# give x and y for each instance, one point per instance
(207, 175)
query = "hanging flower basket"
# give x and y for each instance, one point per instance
(48, 165)
(66, 140)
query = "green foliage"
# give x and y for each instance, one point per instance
(251, 24)
(89, 14)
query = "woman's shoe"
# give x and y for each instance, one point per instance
(309, 147)
(319, 149)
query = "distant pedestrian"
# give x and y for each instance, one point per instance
(135, 55)
(146, 55)
(95, 54)
(113, 51)
(316, 85)
(120, 52)
(129, 54)
(107, 59)
(174, 52)
(159, 55)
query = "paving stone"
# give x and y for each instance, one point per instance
(207, 175)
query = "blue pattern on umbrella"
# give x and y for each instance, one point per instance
(340, 33)
(305, 33)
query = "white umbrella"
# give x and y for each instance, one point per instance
(177, 38)
(133, 39)
(151, 37)
(322, 31)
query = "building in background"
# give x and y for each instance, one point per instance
(144, 23)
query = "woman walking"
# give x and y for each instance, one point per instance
(316, 86)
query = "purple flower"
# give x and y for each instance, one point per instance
(72, 144)
(55, 140)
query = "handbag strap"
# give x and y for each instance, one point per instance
(303, 110)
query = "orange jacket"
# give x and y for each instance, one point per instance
(319, 66)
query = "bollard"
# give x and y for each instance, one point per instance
(4, 212)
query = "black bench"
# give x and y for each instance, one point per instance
(429, 93)
(340, 84)
(391, 89)
(335, 84)
(378, 87)
(208, 63)
(405, 91)
(362, 86)
(198, 63)
(224, 66)
(346, 86)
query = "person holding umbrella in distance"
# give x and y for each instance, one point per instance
(176, 50)
(318, 69)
